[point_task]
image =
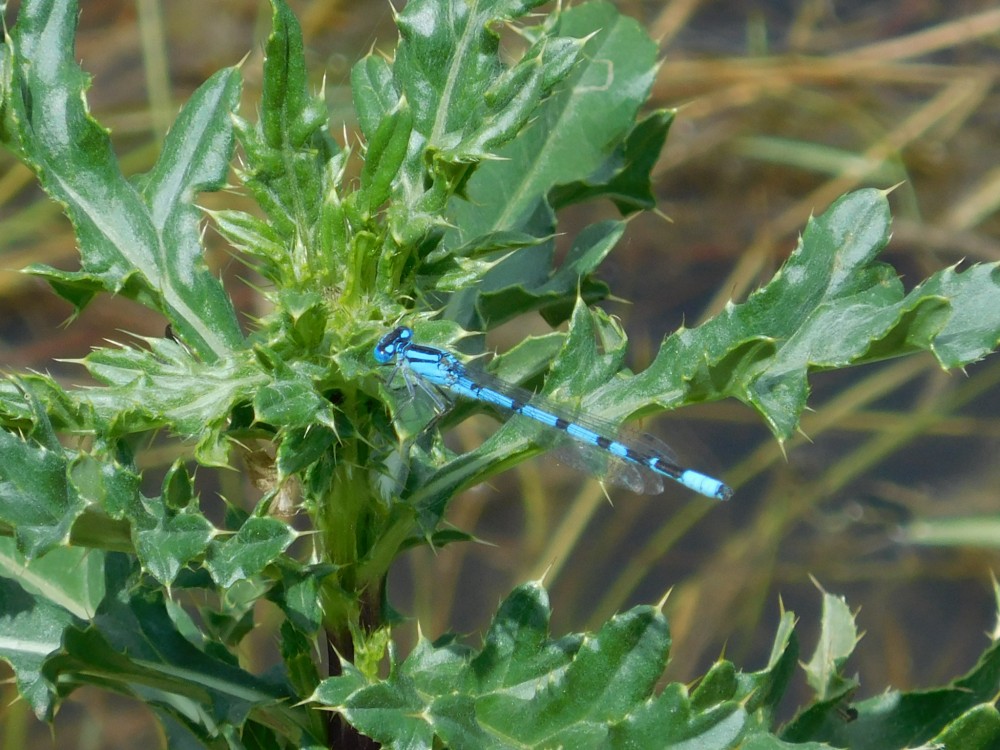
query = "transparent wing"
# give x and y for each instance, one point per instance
(573, 452)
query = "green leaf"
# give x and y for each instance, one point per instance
(837, 639)
(32, 629)
(143, 243)
(46, 595)
(575, 129)
(104, 483)
(446, 61)
(302, 448)
(762, 350)
(178, 487)
(764, 690)
(976, 729)
(288, 150)
(166, 386)
(291, 400)
(27, 401)
(671, 719)
(625, 177)
(555, 292)
(374, 92)
(453, 270)
(524, 689)
(297, 654)
(972, 328)
(299, 594)
(254, 238)
(465, 103)
(134, 647)
(36, 497)
(769, 742)
(71, 578)
(510, 101)
(258, 542)
(166, 541)
(898, 720)
(385, 154)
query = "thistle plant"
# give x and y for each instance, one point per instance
(441, 214)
